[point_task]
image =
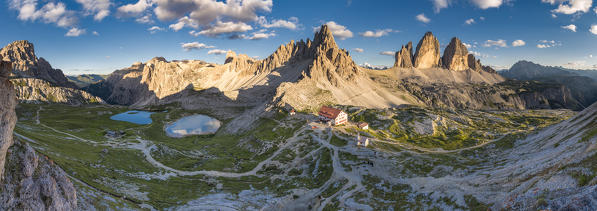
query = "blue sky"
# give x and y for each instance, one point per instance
(100, 36)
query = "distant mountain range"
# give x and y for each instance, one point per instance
(86, 79)
(581, 83)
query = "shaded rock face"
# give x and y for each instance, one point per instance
(8, 118)
(474, 64)
(456, 56)
(35, 183)
(427, 54)
(404, 57)
(26, 64)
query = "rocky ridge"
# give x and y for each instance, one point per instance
(28, 181)
(37, 81)
(26, 64)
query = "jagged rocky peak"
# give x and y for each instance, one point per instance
(456, 56)
(330, 62)
(21, 50)
(427, 54)
(404, 57)
(26, 64)
(239, 62)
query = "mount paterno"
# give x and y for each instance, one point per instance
(36, 81)
(303, 75)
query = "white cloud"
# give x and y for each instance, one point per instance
(359, 50)
(101, 8)
(261, 35)
(195, 46)
(548, 44)
(135, 9)
(75, 32)
(146, 19)
(182, 22)
(205, 12)
(387, 53)
(570, 27)
(518, 43)
(469, 21)
(478, 54)
(440, 4)
(421, 17)
(291, 23)
(225, 28)
(569, 7)
(554, 15)
(468, 46)
(377, 33)
(486, 4)
(95, 33)
(49, 13)
(593, 29)
(155, 29)
(339, 31)
(217, 52)
(496, 43)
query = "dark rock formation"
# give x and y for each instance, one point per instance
(455, 56)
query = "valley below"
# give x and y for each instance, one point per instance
(418, 158)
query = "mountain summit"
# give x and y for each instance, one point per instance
(26, 64)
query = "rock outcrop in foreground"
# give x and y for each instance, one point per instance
(28, 181)
(8, 118)
(36, 80)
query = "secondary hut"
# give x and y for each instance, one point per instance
(332, 115)
(362, 141)
(363, 126)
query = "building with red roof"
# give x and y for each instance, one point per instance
(332, 115)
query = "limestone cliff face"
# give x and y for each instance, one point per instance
(427, 54)
(33, 90)
(27, 181)
(26, 64)
(456, 56)
(404, 57)
(8, 117)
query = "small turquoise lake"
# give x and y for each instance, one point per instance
(136, 117)
(193, 125)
